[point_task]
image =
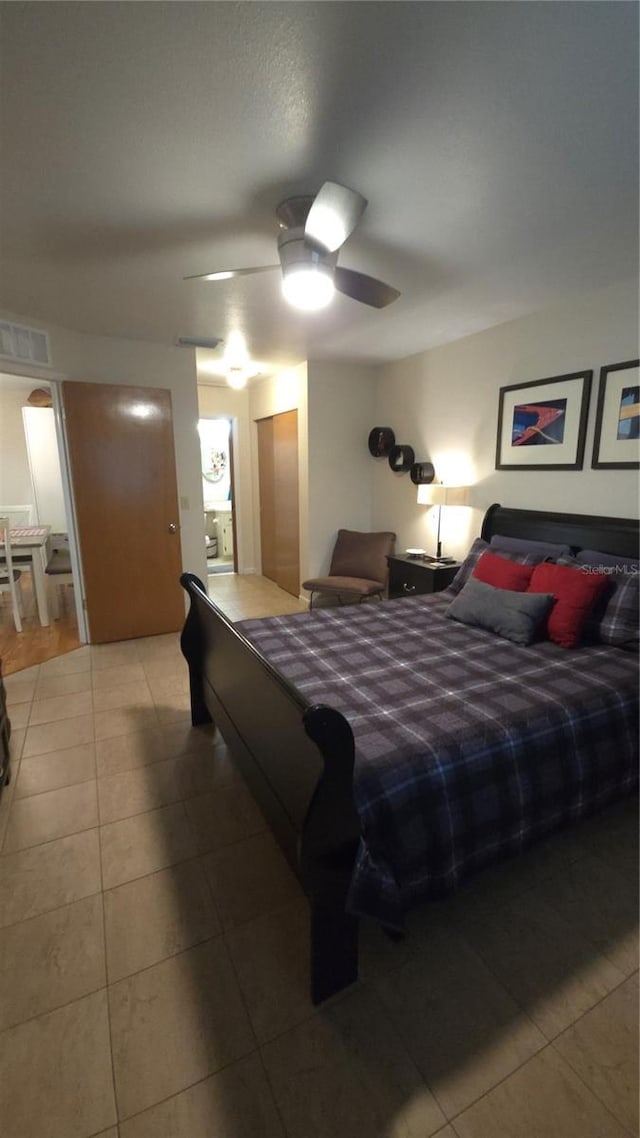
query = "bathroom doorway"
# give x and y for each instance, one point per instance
(216, 454)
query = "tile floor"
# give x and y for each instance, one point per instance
(153, 948)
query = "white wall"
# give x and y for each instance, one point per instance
(215, 402)
(444, 403)
(341, 397)
(98, 359)
(15, 480)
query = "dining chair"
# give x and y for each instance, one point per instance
(58, 568)
(20, 516)
(10, 577)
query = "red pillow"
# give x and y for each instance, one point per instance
(502, 573)
(576, 593)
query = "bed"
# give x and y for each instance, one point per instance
(395, 752)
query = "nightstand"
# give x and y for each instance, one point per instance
(409, 576)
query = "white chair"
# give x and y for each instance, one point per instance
(10, 577)
(19, 515)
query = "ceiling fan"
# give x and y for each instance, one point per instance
(312, 232)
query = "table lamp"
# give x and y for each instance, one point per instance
(437, 494)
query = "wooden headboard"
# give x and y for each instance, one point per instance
(580, 531)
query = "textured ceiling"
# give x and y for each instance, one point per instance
(497, 144)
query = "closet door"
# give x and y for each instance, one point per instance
(278, 471)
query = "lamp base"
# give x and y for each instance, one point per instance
(441, 560)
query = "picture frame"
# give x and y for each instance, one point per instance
(542, 424)
(616, 442)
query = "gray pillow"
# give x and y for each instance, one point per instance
(592, 557)
(523, 545)
(515, 616)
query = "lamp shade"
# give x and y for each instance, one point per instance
(435, 494)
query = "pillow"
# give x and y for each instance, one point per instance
(576, 594)
(516, 616)
(468, 565)
(616, 618)
(503, 573)
(592, 557)
(523, 545)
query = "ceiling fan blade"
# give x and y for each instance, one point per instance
(334, 214)
(366, 289)
(226, 274)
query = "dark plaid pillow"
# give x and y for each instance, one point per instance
(616, 617)
(473, 556)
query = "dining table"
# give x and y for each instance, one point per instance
(31, 540)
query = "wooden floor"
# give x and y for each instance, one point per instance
(35, 644)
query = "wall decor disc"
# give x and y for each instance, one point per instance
(381, 440)
(401, 459)
(422, 473)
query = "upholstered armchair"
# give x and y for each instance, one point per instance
(358, 567)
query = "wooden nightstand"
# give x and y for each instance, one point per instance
(409, 576)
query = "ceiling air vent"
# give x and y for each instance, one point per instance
(26, 345)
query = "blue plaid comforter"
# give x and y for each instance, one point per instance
(468, 747)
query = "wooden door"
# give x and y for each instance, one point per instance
(120, 442)
(278, 473)
(267, 500)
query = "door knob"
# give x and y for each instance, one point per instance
(172, 527)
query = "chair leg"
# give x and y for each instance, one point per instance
(311, 602)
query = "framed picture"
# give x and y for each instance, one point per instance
(616, 443)
(542, 424)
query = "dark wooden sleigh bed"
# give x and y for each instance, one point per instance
(298, 755)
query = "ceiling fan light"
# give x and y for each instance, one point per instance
(308, 288)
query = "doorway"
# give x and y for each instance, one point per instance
(218, 493)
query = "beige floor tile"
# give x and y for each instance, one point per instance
(19, 715)
(48, 687)
(544, 1098)
(114, 655)
(166, 686)
(60, 707)
(249, 879)
(236, 1103)
(591, 896)
(183, 739)
(77, 661)
(54, 814)
(136, 695)
(19, 690)
(271, 958)
(154, 917)
(58, 736)
(177, 709)
(55, 1073)
(50, 960)
(16, 743)
(145, 788)
(345, 1072)
(459, 1024)
(104, 678)
(549, 968)
(124, 721)
(614, 836)
(174, 1024)
(224, 816)
(20, 676)
(43, 878)
(211, 769)
(126, 752)
(56, 769)
(602, 1048)
(137, 846)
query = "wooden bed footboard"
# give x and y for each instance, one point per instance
(297, 759)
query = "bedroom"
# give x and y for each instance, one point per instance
(536, 277)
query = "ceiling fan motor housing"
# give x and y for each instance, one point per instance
(295, 252)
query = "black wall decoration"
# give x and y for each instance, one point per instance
(422, 473)
(381, 440)
(401, 459)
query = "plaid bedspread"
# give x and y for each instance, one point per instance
(468, 747)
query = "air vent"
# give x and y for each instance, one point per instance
(26, 345)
